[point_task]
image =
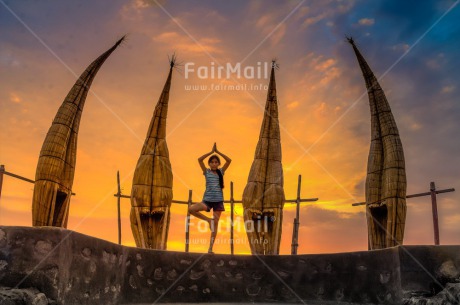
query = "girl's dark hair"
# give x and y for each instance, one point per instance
(219, 173)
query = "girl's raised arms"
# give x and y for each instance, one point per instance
(200, 159)
(227, 159)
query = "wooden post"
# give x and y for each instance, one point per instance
(295, 233)
(187, 222)
(118, 207)
(434, 206)
(2, 170)
(298, 200)
(231, 218)
(293, 248)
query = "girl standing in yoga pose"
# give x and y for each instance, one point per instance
(213, 197)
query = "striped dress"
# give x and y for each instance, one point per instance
(213, 191)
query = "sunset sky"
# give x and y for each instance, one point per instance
(412, 46)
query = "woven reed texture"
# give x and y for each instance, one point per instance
(151, 194)
(263, 196)
(56, 164)
(386, 175)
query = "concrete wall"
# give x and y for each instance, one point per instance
(426, 269)
(72, 268)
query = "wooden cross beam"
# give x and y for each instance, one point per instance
(295, 234)
(434, 206)
(4, 172)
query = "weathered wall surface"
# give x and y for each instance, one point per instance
(425, 269)
(72, 268)
(68, 267)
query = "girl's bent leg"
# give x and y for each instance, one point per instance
(200, 206)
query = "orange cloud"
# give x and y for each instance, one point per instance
(366, 21)
(185, 44)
